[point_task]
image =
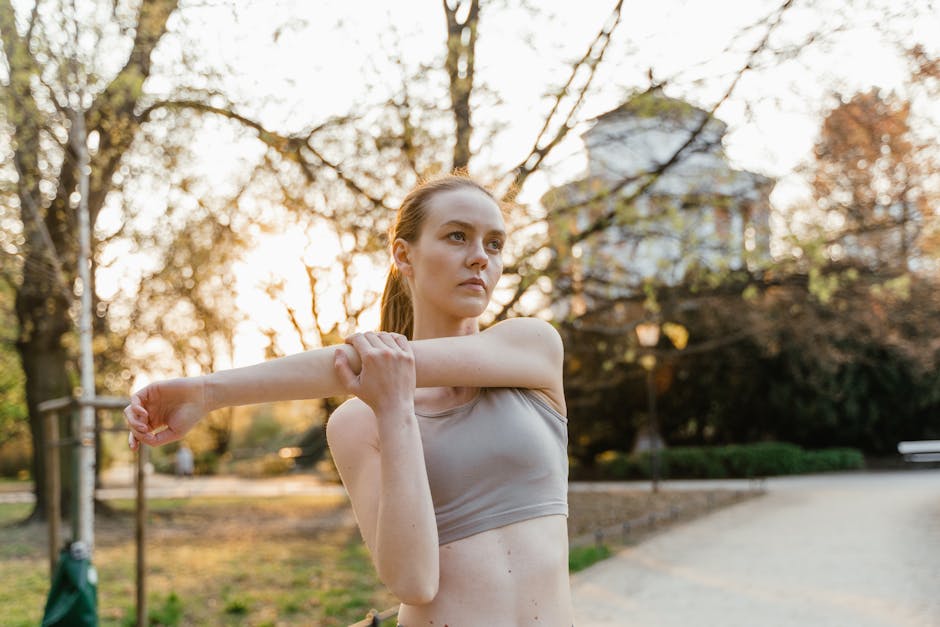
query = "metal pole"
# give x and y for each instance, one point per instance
(653, 427)
(141, 537)
(53, 490)
(85, 488)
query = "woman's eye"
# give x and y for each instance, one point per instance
(457, 236)
(496, 244)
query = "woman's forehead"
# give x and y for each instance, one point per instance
(465, 205)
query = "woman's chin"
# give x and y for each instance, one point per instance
(470, 307)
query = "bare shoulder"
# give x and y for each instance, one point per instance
(535, 333)
(540, 342)
(351, 426)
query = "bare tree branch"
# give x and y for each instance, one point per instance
(459, 63)
(591, 59)
(649, 178)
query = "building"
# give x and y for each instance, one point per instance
(655, 204)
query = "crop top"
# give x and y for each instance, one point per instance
(498, 459)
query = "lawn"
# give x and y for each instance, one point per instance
(247, 561)
(224, 561)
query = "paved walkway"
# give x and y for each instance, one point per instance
(860, 550)
(119, 484)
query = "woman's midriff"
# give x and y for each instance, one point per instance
(513, 575)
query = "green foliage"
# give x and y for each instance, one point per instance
(168, 613)
(580, 558)
(13, 415)
(735, 461)
(237, 605)
(206, 463)
(15, 457)
(858, 370)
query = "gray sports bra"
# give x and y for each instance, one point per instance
(498, 459)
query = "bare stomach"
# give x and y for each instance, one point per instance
(510, 576)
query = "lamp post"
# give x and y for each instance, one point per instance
(648, 335)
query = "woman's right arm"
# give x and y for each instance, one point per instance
(166, 410)
(376, 446)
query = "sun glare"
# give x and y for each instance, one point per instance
(279, 259)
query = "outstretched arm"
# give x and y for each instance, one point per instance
(520, 352)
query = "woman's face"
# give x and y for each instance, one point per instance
(457, 260)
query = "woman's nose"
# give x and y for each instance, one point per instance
(477, 255)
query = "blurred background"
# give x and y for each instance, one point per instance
(756, 182)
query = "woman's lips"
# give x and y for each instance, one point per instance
(474, 284)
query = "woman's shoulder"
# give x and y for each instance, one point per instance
(353, 420)
(534, 331)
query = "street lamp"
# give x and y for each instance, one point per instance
(648, 335)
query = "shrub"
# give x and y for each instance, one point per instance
(16, 455)
(269, 465)
(732, 461)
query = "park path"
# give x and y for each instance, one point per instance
(859, 549)
(118, 483)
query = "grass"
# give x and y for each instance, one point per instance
(247, 561)
(284, 561)
(580, 558)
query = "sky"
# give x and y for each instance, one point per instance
(312, 60)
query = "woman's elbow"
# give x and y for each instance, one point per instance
(417, 593)
(416, 588)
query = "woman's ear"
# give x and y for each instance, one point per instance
(401, 257)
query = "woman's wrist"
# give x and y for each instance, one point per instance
(210, 392)
(392, 415)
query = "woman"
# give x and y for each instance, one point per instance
(454, 450)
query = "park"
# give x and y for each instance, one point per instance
(698, 250)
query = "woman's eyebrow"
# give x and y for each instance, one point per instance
(470, 227)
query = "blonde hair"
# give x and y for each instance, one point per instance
(397, 312)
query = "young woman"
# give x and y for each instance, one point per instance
(454, 450)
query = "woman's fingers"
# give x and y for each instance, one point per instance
(401, 340)
(360, 343)
(343, 370)
(388, 340)
(136, 418)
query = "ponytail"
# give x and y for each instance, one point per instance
(397, 313)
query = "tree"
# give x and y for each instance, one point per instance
(868, 176)
(37, 99)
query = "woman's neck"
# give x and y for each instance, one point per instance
(428, 327)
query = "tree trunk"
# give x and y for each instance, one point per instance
(45, 321)
(459, 63)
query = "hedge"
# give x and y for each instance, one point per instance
(733, 461)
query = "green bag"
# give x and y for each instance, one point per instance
(73, 597)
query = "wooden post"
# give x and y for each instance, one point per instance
(53, 489)
(141, 536)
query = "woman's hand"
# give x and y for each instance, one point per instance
(386, 382)
(165, 411)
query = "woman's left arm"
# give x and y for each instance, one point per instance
(519, 352)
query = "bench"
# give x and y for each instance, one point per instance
(920, 450)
